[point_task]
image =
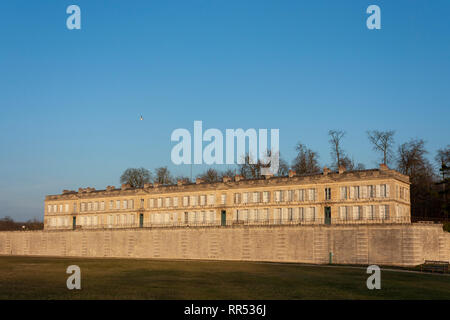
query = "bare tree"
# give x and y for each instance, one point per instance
(336, 150)
(411, 158)
(283, 168)
(210, 175)
(250, 169)
(443, 161)
(350, 164)
(136, 177)
(382, 141)
(306, 160)
(228, 173)
(163, 176)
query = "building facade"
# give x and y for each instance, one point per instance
(344, 197)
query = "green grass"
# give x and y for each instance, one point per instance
(45, 278)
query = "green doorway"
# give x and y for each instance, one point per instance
(327, 215)
(74, 223)
(141, 220)
(223, 218)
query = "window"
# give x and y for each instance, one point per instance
(130, 204)
(277, 196)
(266, 196)
(312, 214)
(95, 206)
(151, 203)
(312, 195)
(345, 213)
(142, 204)
(357, 213)
(371, 212)
(202, 200)
(193, 200)
(301, 214)
(356, 192)
(327, 193)
(185, 201)
(66, 208)
(49, 208)
(60, 208)
(211, 199)
(383, 191)
(167, 202)
(83, 206)
(371, 191)
(111, 204)
(124, 204)
(301, 195)
(245, 197)
(223, 199)
(290, 214)
(159, 202)
(74, 207)
(89, 206)
(175, 201)
(117, 204)
(237, 198)
(343, 193)
(102, 205)
(256, 197)
(290, 195)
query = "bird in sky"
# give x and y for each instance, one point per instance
(141, 118)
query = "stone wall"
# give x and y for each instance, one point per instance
(401, 245)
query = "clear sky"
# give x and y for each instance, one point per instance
(70, 100)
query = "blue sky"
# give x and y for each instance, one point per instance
(70, 100)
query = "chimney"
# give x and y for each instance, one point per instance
(226, 179)
(125, 186)
(341, 169)
(199, 180)
(180, 182)
(291, 173)
(326, 171)
(110, 188)
(383, 167)
(238, 178)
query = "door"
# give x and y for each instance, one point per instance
(223, 218)
(74, 223)
(327, 215)
(141, 220)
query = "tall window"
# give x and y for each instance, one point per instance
(383, 191)
(327, 193)
(290, 195)
(356, 192)
(223, 199)
(266, 196)
(343, 193)
(301, 195)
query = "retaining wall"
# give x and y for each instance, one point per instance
(401, 245)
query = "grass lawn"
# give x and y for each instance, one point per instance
(45, 278)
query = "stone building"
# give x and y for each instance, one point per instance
(344, 197)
